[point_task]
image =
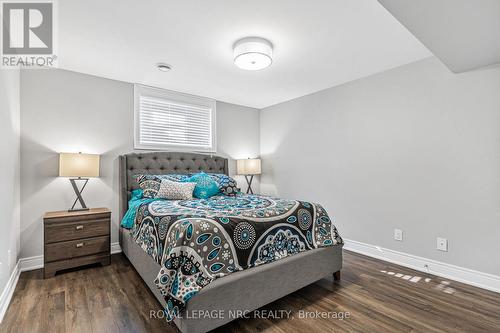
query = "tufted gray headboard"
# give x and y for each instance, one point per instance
(159, 163)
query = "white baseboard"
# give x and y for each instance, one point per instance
(30, 263)
(8, 291)
(452, 272)
(115, 248)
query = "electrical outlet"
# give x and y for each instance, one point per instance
(442, 244)
(398, 235)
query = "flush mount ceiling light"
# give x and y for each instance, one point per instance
(253, 53)
(163, 67)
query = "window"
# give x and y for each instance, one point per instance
(173, 121)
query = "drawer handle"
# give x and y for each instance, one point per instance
(79, 227)
(79, 245)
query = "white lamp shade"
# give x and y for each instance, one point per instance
(78, 165)
(249, 166)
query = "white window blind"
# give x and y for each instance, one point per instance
(164, 121)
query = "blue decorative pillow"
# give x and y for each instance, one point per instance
(227, 185)
(205, 187)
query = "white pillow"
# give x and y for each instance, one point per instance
(175, 190)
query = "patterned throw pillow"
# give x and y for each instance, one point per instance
(150, 184)
(226, 184)
(206, 187)
(175, 190)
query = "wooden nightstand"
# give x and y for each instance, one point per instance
(73, 239)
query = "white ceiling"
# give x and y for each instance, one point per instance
(463, 34)
(318, 44)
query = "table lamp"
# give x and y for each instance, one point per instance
(249, 168)
(80, 167)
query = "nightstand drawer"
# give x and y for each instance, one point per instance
(58, 232)
(76, 248)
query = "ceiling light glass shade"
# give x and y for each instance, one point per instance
(253, 53)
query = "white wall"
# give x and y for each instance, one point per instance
(9, 171)
(416, 148)
(238, 137)
(69, 111)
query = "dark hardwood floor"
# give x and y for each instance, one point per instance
(375, 296)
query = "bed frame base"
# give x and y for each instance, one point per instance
(242, 291)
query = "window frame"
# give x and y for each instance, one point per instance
(182, 98)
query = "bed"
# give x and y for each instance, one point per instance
(242, 290)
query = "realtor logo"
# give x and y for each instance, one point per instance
(28, 34)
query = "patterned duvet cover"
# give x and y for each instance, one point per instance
(196, 241)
